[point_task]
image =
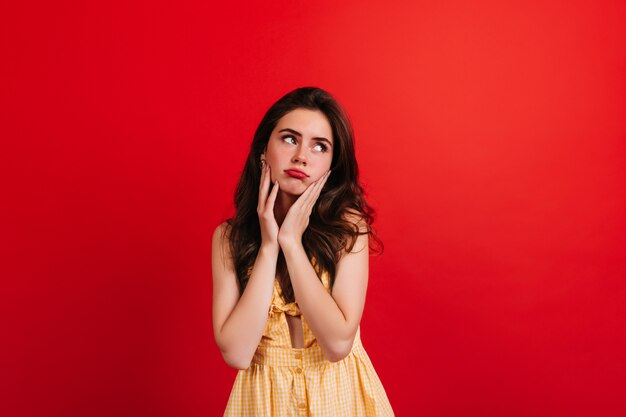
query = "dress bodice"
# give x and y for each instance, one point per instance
(276, 331)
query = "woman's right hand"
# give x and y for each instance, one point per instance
(265, 209)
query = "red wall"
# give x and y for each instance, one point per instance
(491, 139)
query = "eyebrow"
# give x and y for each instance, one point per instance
(295, 132)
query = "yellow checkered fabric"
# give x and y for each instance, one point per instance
(283, 381)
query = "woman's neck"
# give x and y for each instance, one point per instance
(281, 206)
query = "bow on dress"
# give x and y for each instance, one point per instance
(290, 309)
(278, 303)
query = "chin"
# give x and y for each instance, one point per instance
(293, 191)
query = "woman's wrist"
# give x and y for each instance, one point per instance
(291, 245)
(270, 249)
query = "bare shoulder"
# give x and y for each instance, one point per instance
(221, 232)
(356, 219)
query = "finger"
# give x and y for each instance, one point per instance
(320, 187)
(303, 200)
(263, 186)
(261, 181)
(316, 190)
(272, 198)
(320, 184)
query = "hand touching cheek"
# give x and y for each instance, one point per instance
(297, 218)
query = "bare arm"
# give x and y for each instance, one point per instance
(238, 322)
(333, 318)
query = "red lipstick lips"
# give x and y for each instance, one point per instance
(296, 173)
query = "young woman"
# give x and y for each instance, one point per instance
(290, 269)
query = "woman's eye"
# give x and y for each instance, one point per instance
(323, 148)
(320, 147)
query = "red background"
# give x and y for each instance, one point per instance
(491, 140)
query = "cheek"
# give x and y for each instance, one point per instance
(328, 162)
(273, 155)
(274, 165)
(276, 159)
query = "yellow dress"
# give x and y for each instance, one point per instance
(284, 381)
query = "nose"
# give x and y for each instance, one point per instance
(300, 156)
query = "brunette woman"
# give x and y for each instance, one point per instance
(290, 269)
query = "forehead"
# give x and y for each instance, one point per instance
(310, 123)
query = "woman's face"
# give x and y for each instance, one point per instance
(301, 141)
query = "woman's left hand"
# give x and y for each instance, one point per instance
(297, 219)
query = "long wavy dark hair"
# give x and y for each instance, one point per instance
(330, 231)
